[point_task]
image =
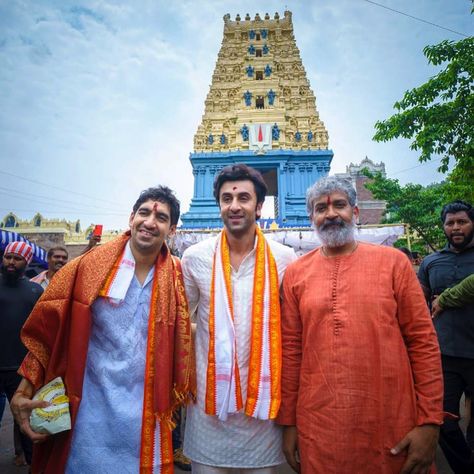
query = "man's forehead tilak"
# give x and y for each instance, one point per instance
(154, 205)
(329, 200)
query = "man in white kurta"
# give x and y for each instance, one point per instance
(241, 441)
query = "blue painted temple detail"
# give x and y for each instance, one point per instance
(260, 110)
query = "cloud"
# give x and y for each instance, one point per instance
(104, 97)
(81, 17)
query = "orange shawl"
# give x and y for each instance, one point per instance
(57, 336)
(223, 384)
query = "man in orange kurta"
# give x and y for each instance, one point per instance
(361, 377)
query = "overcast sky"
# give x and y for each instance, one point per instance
(101, 99)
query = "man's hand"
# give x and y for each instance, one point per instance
(290, 447)
(93, 241)
(435, 307)
(22, 405)
(421, 444)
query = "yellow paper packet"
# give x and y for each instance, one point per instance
(54, 418)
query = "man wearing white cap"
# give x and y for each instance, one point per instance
(17, 297)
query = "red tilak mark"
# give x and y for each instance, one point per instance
(260, 134)
(155, 206)
(234, 188)
(328, 200)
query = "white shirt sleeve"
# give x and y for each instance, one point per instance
(190, 286)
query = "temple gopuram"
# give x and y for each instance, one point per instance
(260, 110)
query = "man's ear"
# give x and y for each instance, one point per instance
(130, 219)
(258, 210)
(172, 230)
(356, 213)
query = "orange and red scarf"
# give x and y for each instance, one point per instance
(167, 299)
(224, 386)
(51, 333)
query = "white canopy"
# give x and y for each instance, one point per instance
(301, 240)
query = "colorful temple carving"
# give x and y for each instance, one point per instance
(260, 110)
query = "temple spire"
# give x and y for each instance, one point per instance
(259, 78)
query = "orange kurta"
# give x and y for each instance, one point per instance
(361, 363)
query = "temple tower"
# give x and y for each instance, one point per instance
(260, 110)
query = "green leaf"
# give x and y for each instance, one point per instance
(438, 116)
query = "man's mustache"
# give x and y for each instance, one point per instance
(338, 222)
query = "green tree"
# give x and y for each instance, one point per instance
(460, 185)
(413, 204)
(439, 115)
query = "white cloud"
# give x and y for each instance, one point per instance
(104, 97)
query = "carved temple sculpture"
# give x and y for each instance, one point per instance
(260, 110)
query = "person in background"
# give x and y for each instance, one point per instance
(459, 295)
(456, 297)
(18, 296)
(454, 326)
(408, 253)
(56, 257)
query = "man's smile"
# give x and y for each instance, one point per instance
(147, 233)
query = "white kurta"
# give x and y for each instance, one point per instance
(107, 432)
(240, 441)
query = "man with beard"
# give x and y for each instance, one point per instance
(17, 298)
(454, 325)
(361, 377)
(57, 258)
(114, 325)
(233, 280)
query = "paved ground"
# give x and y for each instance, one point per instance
(7, 466)
(6, 446)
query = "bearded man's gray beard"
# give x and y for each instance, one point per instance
(336, 232)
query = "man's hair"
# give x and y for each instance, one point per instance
(162, 194)
(407, 252)
(241, 172)
(328, 185)
(56, 247)
(457, 206)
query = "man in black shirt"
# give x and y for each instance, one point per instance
(454, 326)
(17, 297)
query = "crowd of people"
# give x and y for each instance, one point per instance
(340, 361)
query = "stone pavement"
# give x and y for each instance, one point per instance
(6, 446)
(7, 466)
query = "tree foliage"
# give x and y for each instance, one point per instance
(413, 204)
(439, 115)
(460, 185)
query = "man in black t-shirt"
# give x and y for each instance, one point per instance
(17, 297)
(454, 326)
